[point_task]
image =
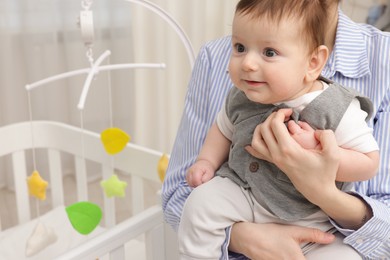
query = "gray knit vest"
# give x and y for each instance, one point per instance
(269, 185)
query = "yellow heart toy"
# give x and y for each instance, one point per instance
(162, 167)
(114, 140)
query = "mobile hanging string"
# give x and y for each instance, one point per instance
(86, 26)
(87, 35)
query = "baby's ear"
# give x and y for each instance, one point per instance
(317, 62)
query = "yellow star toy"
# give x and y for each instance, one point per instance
(37, 186)
(114, 187)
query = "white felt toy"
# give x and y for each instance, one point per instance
(41, 237)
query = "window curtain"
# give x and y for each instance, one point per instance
(202, 21)
(41, 38)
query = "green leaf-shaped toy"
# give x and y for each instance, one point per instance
(84, 216)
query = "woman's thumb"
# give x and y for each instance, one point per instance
(315, 235)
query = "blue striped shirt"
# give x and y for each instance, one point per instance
(360, 59)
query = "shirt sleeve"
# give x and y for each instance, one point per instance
(207, 89)
(372, 240)
(226, 254)
(224, 124)
(353, 132)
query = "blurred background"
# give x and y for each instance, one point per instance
(41, 38)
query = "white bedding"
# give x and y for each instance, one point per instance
(13, 241)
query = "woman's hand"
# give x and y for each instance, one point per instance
(272, 142)
(274, 241)
(263, 131)
(312, 172)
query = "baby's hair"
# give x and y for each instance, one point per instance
(313, 14)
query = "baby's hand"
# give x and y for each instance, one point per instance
(303, 134)
(200, 172)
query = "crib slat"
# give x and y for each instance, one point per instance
(109, 203)
(137, 194)
(170, 243)
(20, 175)
(81, 179)
(154, 246)
(118, 253)
(55, 169)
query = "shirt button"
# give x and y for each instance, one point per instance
(253, 166)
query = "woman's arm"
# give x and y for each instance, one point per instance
(364, 219)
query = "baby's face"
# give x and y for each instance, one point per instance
(269, 60)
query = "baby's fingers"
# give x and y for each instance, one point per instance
(293, 127)
(192, 179)
(305, 126)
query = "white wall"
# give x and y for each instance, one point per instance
(357, 10)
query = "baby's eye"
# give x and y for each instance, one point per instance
(270, 53)
(239, 47)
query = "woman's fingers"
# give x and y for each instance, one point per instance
(279, 129)
(259, 146)
(330, 148)
(254, 153)
(265, 143)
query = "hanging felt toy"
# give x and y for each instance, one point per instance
(114, 187)
(41, 237)
(114, 140)
(37, 186)
(162, 167)
(84, 216)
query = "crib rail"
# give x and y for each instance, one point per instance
(149, 222)
(57, 138)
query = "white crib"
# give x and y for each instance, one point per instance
(111, 241)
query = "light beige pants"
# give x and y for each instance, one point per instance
(336, 250)
(217, 204)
